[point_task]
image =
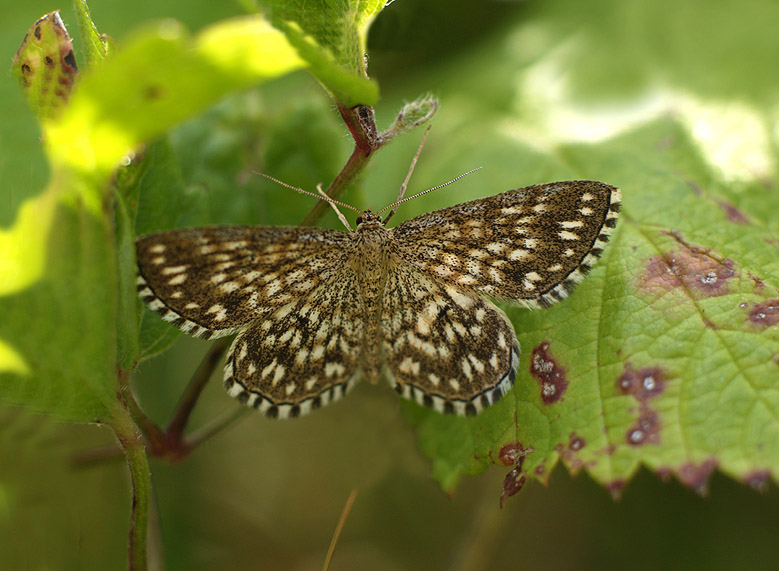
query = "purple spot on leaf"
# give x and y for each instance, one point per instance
(696, 476)
(733, 214)
(691, 269)
(765, 314)
(550, 375)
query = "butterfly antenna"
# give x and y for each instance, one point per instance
(341, 217)
(322, 195)
(408, 175)
(402, 200)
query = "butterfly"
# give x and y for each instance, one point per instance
(315, 310)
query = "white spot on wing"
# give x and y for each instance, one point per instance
(519, 254)
(566, 235)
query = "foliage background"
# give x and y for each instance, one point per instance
(268, 493)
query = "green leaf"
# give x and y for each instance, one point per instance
(45, 66)
(94, 46)
(159, 79)
(61, 325)
(331, 37)
(62, 268)
(666, 355)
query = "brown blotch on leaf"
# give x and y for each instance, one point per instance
(733, 214)
(643, 384)
(550, 375)
(646, 429)
(509, 453)
(37, 32)
(515, 479)
(765, 314)
(690, 268)
(513, 482)
(696, 476)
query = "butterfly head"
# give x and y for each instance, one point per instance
(368, 219)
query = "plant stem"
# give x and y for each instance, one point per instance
(362, 126)
(131, 441)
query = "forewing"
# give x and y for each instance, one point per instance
(445, 347)
(301, 356)
(210, 281)
(530, 246)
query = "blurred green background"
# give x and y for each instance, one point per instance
(267, 494)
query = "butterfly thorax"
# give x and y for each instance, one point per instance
(371, 263)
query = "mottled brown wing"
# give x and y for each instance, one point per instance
(445, 347)
(303, 355)
(211, 281)
(530, 246)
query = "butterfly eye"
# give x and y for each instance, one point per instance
(359, 220)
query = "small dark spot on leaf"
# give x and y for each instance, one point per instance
(152, 92)
(540, 470)
(608, 449)
(550, 375)
(759, 284)
(696, 190)
(70, 59)
(49, 62)
(37, 32)
(758, 480)
(690, 268)
(643, 384)
(765, 314)
(576, 442)
(615, 488)
(26, 69)
(733, 214)
(646, 429)
(696, 476)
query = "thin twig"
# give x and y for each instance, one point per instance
(339, 528)
(196, 385)
(215, 426)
